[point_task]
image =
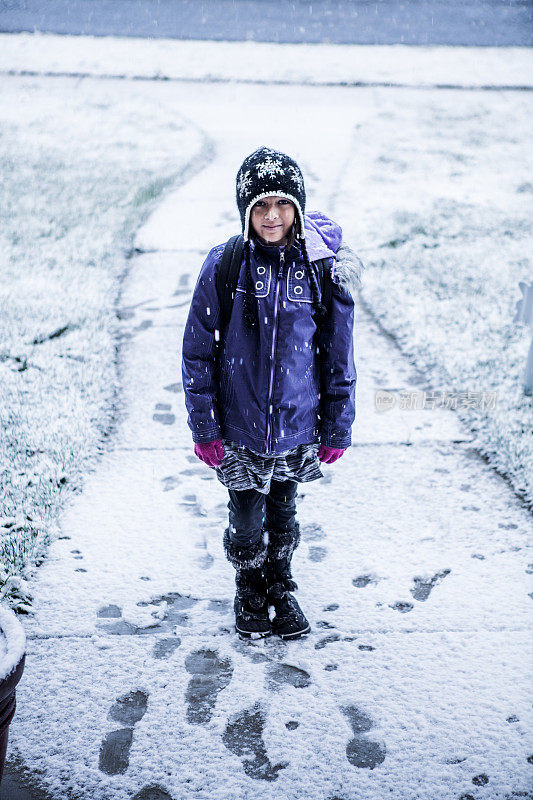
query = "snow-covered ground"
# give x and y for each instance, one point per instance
(414, 568)
(81, 166)
(263, 62)
(444, 211)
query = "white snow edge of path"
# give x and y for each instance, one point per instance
(264, 62)
(13, 644)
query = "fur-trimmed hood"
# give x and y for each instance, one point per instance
(347, 270)
(323, 239)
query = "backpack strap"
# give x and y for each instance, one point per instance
(324, 271)
(228, 275)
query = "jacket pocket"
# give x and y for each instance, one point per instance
(298, 285)
(261, 281)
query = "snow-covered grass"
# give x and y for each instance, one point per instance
(443, 212)
(194, 60)
(81, 166)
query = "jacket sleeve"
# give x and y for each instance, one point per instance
(337, 370)
(199, 354)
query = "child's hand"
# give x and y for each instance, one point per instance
(329, 454)
(212, 453)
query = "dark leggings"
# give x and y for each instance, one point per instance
(247, 507)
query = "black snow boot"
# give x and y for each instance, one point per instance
(290, 621)
(251, 608)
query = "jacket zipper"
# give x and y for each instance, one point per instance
(274, 332)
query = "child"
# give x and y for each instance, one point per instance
(273, 393)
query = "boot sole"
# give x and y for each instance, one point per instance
(253, 634)
(294, 635)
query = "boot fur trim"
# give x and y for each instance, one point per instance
(244, 557)
(282, 544)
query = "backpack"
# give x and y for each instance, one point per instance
(228, 275)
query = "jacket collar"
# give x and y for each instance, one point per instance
(273, 250)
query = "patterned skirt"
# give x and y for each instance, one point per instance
(243, 468)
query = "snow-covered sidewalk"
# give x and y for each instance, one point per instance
(413, 568)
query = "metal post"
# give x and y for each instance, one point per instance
(524, 314)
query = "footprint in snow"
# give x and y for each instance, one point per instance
(198, 471)
(317, 553)
(334, 637)
(109, 612)
(222, 606)
(246, 647)
(175, 604)
(152, 792)
(210, 675)
(172, 613)
(173, 387)
(278, 674)
(206, 560)
(362, 581)
(164, 648)
(402, 606)
(170, 482)
(312, 532)
(115, 748)
(360, 751)
(163, 414)
(143, 326)
(190, 502)
(423, 586)
(182, 286)
(244, 737)
(110, 621)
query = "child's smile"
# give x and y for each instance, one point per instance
(272, 218)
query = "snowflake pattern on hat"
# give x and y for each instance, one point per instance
(297, 176)
(266, 173)
(244, 182)
(270, 166)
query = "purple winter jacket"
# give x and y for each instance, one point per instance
(288, 383)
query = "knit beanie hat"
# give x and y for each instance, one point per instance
(268, 173)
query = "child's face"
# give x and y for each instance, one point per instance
(271, 219)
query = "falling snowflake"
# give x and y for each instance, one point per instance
(270, 166)
(244, 182)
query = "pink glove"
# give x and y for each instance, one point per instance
(212, 453)
(329, 454)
